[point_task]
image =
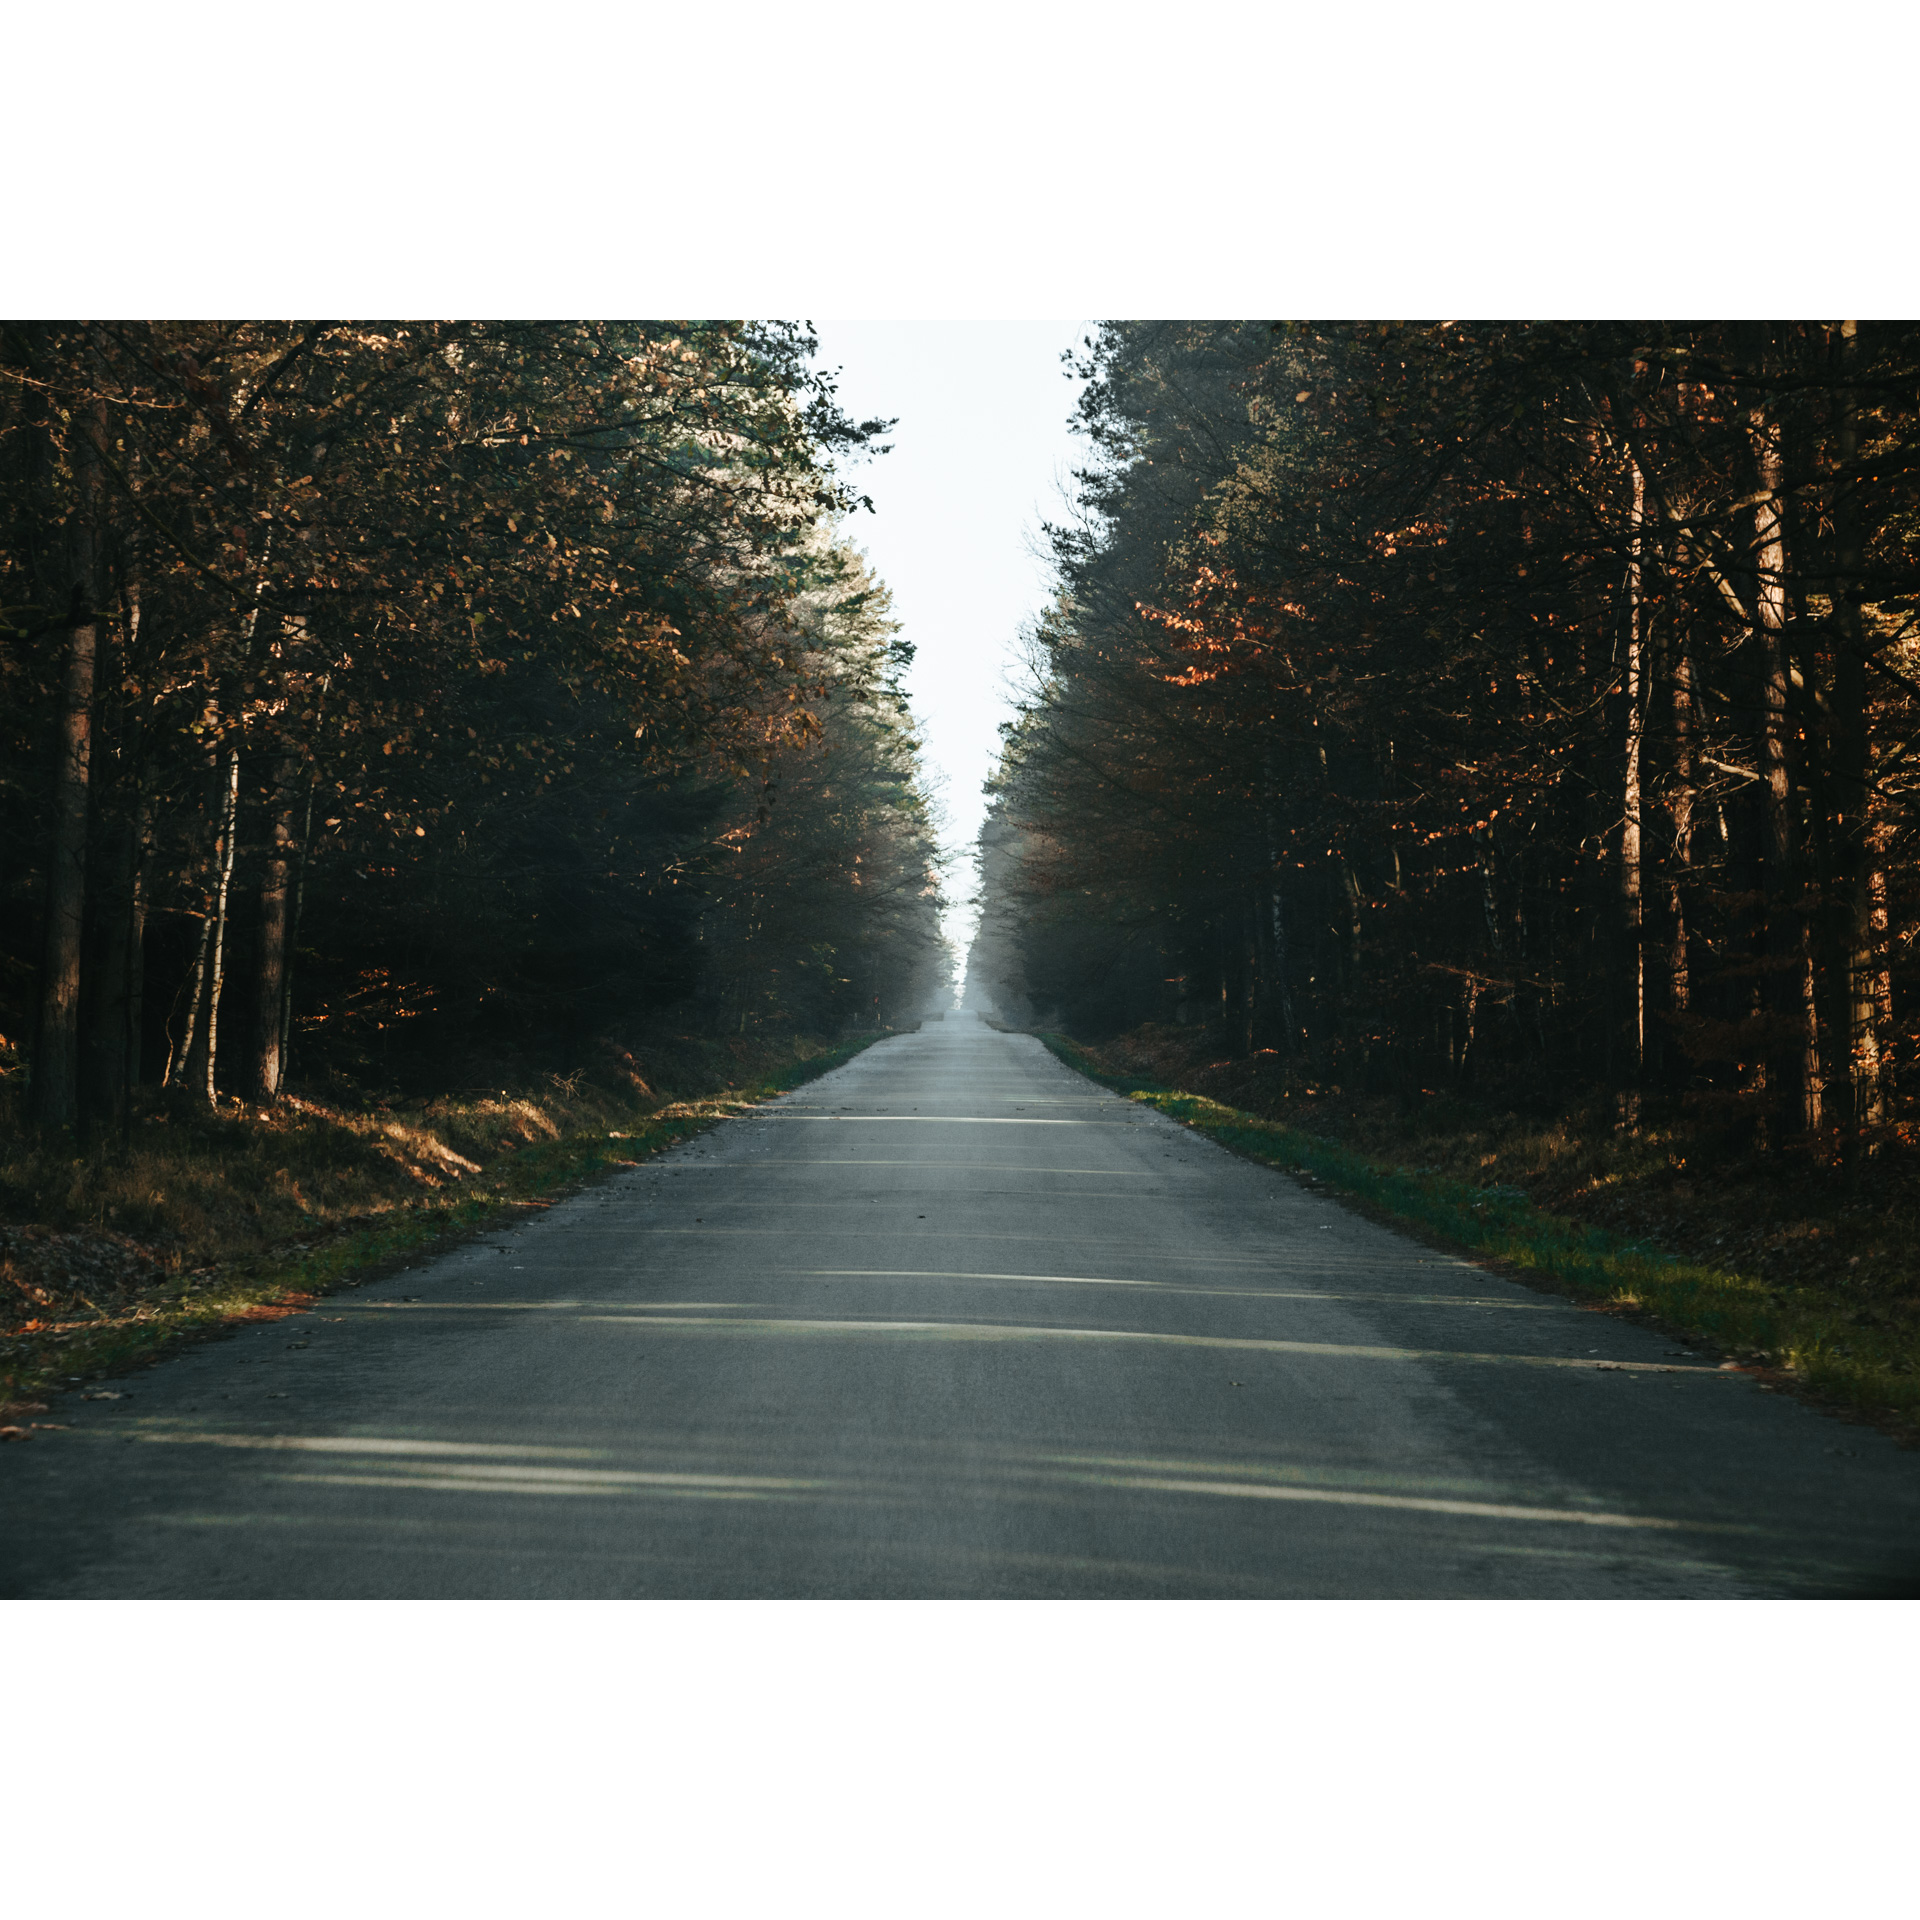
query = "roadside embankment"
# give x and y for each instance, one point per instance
(1785, 1268)
(201, 1218)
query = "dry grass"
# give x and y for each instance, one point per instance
(1783, 1262)
(205, 1217)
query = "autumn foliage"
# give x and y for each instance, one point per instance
(376, 698)
(1498, 705)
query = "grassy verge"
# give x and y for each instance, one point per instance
(1801, 1333)
(207, 1219)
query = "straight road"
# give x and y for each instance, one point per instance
(951, 1321)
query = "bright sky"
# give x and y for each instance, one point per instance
(979, 459)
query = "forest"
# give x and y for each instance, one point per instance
(402, 707)
(1520, 711)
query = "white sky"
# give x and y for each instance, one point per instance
(979, 459)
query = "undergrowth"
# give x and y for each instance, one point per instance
(1841, 1347)
(203, 1218)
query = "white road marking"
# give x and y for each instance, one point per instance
(368, 1443)
(464, 1475)
(1167, 1286)
(972, 1166)
(1405, 1503)
(981, 1330)
(946, 1120)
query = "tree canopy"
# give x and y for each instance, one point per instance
(381, 691)
(1432, 704)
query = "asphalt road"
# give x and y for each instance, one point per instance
(951, 1321)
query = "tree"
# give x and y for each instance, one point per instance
(1397, 670)
(430, 656)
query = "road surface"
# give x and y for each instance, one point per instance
(951, 1321)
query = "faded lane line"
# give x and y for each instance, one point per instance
(919, 1196)
(981, 1330)
(972, 1166)
(716, 1487)
(444, 1484)
(1311, 1256)
(378, 1309)
(1163, 1286)
(375, 1309)
(453, 1463)
(1344, 1258)
(592, 1479)
(1326, 1266)
(945, 1120)
(1323, 1268)
(451, 1473)
(356, 1443)
(549, 1306)
(1405, 1503)
(1021, 1100)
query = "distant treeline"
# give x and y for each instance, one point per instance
(387, 698)
(1523, 705)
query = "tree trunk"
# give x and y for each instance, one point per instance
(106, 981)
(268, 1063)
(53, 1091)
(228, 846)
(1680, 811)
(1632, 912)
(1794, 1050)
(182, 1059)
(293, 940)
(179, 1057)
(110, 958)
(136, 956)
(216, 947)
(1852, 775)
(270, 998)
(1880, 974)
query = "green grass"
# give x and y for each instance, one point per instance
(1800, 1334)
(42, 1355)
